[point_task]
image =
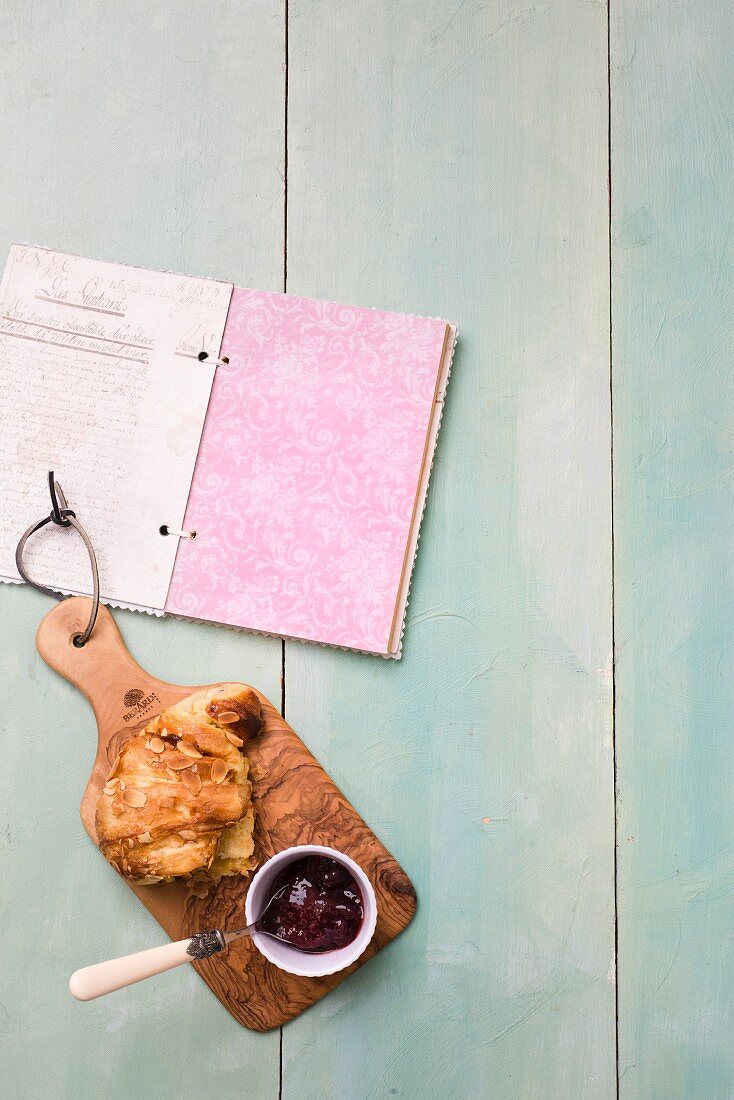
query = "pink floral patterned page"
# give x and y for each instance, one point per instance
(305, 487)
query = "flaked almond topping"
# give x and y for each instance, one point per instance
(216, 742)
(167, 803)
(117, 809)
(219, 771)
(180, 765)
(130, 842)
(110, 789)
(122, 784)
(228, 717)
(234, 739)
(189, 750)
(144, 838)
(187, 834)
(156, 745)
(134, 797)
(192, 781)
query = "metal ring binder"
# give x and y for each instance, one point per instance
(62, 516)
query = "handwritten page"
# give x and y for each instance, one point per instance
(101, 383)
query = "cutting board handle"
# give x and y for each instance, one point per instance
(103, 669)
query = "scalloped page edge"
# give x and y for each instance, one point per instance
(395, 643)
(156, 612)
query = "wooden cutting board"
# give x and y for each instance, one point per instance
(296, 803)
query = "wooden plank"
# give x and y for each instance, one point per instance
(149, 133)
(672, 130)
(452, 160)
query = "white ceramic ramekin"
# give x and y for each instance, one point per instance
(290, 958)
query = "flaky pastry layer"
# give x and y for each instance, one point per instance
(177, 802)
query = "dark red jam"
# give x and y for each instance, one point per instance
(321, 907)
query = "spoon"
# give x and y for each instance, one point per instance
(105, 977)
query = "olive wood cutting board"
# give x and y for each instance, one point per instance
(295, 800)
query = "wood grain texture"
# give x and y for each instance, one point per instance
(673, 149)
(150, 133)
(295, 801)
(451, 159)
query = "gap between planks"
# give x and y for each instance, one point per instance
(615, 867)
(285, 289)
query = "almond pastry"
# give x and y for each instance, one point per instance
(177, 802)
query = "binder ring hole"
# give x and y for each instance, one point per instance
(204, 355)
(164, 529)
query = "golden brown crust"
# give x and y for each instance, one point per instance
(177, 801)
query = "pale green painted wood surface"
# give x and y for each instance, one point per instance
(673, 114)
(452, 160)
(448, 158)
(149, 133)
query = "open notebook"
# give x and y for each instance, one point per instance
(301, 464)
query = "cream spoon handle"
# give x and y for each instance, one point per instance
(105, 977)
